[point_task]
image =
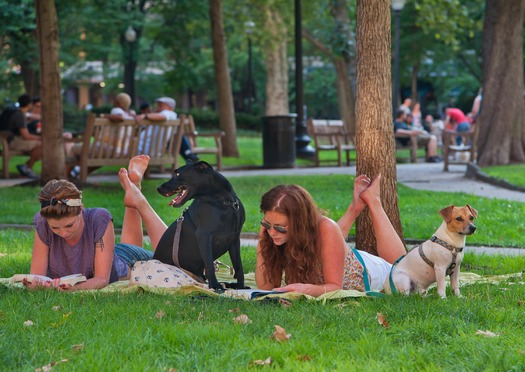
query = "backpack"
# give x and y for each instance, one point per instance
(5, 116)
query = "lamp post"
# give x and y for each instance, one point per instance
(302, 140)
(397, 6)
(129, 40)
(250, 86)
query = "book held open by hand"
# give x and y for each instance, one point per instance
(68, 279)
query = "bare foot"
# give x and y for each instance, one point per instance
(373, 192)
(136, 169)
(132, 196)
(361, 183)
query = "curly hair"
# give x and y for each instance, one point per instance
(299, 258)
(58, 190)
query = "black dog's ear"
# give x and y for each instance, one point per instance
(202, 165)
(446, 213)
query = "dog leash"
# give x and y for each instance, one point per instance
(390, 280)
(365, 276)
(176, 239)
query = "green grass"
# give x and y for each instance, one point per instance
(500, 222)
(514, 174)
(114, 332)
(150, 332)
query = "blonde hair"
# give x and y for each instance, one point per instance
(124, 100)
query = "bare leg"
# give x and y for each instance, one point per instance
(389, 245)
(135, 200)
(132, 224)
(345, 223)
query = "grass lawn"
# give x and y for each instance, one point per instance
(514, 173)
(96, 331)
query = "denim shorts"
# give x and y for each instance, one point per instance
(126, 255)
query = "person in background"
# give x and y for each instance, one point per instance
(22, 139)
(423, 138)
(456, 121)
(121, 109)
(165, 107)
(406, 106)
(70, 239)
(301, 250)
(34, 117)
(476, 106)
(417, 117)
(145, 108)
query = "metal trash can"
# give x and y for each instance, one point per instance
(279, 141)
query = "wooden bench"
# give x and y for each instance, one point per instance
(193, 135)
(106, 143)
(460, 154)
(330, 135)
(412, 145)
(7, 153)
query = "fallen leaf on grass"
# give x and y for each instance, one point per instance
(285, 303)
(28, 323)
(78, 347)
(260, 362)
(160, 314)
(304, 358)
(382, 320)
(57, 308)
(49, 367)
(236, 310)
(242, 319)
(486, 333)
(280, 334)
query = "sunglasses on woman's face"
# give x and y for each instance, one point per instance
(278, 228)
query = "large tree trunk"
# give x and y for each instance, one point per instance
(375, 133)
(53, 162)
(222, 79)
(502, 128)
(277, 102)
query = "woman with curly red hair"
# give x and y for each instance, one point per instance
(309, 249)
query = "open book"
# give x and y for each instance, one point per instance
(68, 279)
(250, 294)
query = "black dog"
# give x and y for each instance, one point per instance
(211, 225)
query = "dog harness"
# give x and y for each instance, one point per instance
(176, 239)
(434, 239)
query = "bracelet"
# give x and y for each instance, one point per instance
(324, 289)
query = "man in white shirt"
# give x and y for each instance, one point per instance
(165, 107)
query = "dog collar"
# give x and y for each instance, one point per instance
(443, 243)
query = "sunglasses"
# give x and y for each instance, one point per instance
(278, 228)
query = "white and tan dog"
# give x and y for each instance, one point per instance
(435, 258)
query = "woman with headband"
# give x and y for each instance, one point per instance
(71, 239)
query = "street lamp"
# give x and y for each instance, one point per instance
(130, 38)
(250, 87)
(397, 6)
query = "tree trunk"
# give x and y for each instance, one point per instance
(277, 102)
(53, 162)
(222, 80)
(502, 129)
(343, 64)
(375, 134)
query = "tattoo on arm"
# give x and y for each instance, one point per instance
(100, 244)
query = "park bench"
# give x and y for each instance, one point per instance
(412, 145)
(193, 135)
(464, 153)
(7, 153)
(330, 135)
(106, 143)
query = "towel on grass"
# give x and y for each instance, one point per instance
(224, 275)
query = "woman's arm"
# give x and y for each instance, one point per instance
(333, 249)
(103, 261)
(39, 257)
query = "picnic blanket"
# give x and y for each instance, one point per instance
(224, 275)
